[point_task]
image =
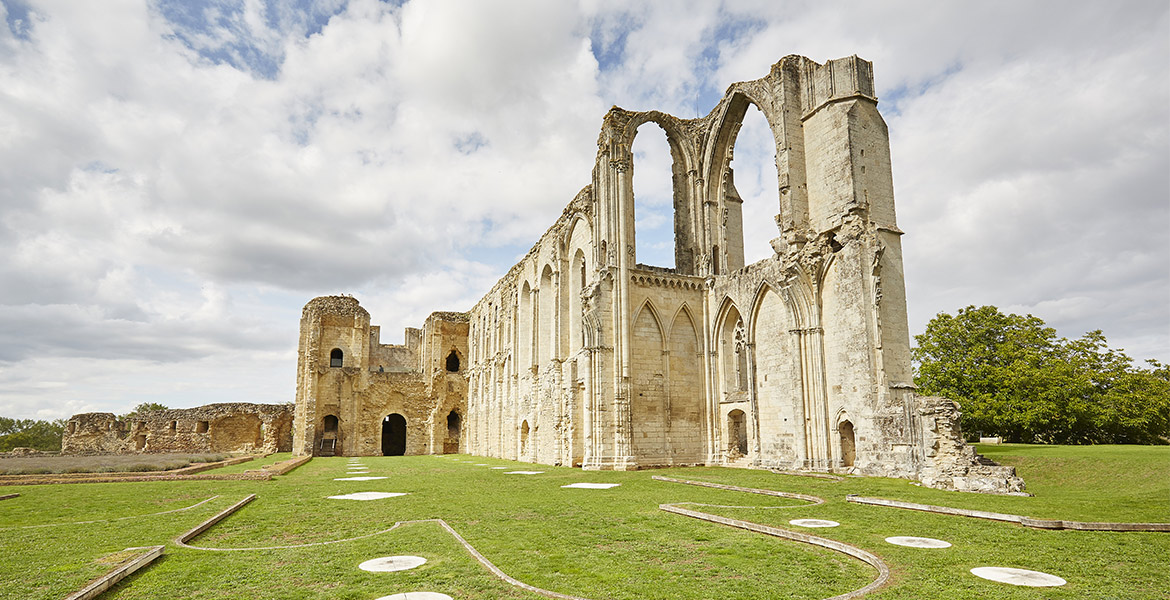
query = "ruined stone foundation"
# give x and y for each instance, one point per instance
(228, 427)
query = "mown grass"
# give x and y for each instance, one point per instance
(127, 463)
(601, 544)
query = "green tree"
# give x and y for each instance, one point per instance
(28, 433)
(1014, 377)
(144, 407)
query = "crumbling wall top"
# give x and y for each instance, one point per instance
(343, 306)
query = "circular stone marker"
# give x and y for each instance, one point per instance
(592, 486)
(388, 564)
(367, 496)
(1018, 576)
(418, 596)
(523, 472)
(917, 542)
(356, 478)
(814, 523)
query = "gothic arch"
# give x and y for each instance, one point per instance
(648, 305)
(684, 311)
(721, 139)
(683, 166)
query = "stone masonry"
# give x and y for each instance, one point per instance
(580, 355)
(359, 397)
(227, 427)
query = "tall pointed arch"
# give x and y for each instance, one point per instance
(648, 391)
(778, 385)
(686, 390)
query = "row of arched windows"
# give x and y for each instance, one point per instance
(337, 360)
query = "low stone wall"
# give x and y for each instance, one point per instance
(229, 427)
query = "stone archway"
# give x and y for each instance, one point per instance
(848, 443)
(737, 435)
(394, 435)
(454, 430)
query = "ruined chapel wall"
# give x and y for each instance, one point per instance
(228, 427)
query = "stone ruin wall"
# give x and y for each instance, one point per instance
(227, 427)
(342, 405)
(582, 356)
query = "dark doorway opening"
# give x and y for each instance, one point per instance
(453, 362)
(454, 424)
(394, 435)
(330, 424)
(848, 444)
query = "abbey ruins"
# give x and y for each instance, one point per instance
(580, 355)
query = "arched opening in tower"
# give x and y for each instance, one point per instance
(394, 435)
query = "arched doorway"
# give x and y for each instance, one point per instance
(737, 439)
(524, 439)
(454, 425)
(394, 435)
(848, 445)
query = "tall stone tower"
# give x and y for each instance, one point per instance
(333, 347)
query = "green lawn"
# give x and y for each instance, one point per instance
(599, 544)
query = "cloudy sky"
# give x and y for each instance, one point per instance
(178, 178)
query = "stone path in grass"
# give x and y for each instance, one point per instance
(1002, 574)
(847, 549)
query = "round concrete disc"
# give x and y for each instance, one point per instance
(500, 467)
(1018, 576)
(418, 596)
(367, 496)
(480, 465)
(814, 523)
(523, 472)
(387, 564)
(356, 478)
(917, 542)
(592, 486)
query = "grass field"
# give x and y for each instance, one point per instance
(103, 464)
(599, 544)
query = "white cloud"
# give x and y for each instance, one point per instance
(177, 180)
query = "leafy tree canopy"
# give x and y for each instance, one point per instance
(29, 433)
(1014, 377)
(145, 407)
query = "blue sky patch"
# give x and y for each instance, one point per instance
(16, 14)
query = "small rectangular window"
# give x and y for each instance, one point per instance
(201, 427)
